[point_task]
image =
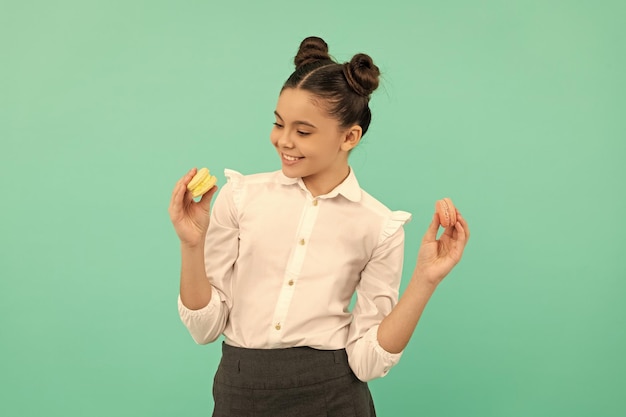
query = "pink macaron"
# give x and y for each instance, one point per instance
(446, 211)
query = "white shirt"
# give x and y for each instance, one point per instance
(284, 267)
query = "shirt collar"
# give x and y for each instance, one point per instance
(349, 188)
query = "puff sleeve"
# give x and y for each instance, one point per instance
(221, 249)
(377, 294)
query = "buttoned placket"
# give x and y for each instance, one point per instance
(293, 270)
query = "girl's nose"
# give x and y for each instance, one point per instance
(284, 140)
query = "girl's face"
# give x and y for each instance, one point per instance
(311, 144)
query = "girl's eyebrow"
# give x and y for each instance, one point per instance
(297, 122)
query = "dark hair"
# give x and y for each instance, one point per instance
(345, 88)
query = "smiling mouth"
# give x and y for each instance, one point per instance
(292, 158)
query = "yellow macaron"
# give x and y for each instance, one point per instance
(202, 182)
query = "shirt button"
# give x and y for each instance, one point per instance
(290, 282)
(315, 202)
(277, 327)
(301, 241)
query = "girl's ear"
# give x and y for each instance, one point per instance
(351, 138)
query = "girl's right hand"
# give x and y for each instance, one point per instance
(190, 218)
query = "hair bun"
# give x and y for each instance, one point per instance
(362, 74)
(312, 49)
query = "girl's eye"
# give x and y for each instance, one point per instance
(303, 133)
(277, 125)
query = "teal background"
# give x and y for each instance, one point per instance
(514, 109)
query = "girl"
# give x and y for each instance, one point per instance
(274, 266)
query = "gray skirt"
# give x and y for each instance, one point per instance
(293, 382)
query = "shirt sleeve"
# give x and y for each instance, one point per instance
(377, 294)
(221, 249)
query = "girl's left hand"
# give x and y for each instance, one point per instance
(436, 258)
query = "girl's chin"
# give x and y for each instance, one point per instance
(293, 169)
(290, 172)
